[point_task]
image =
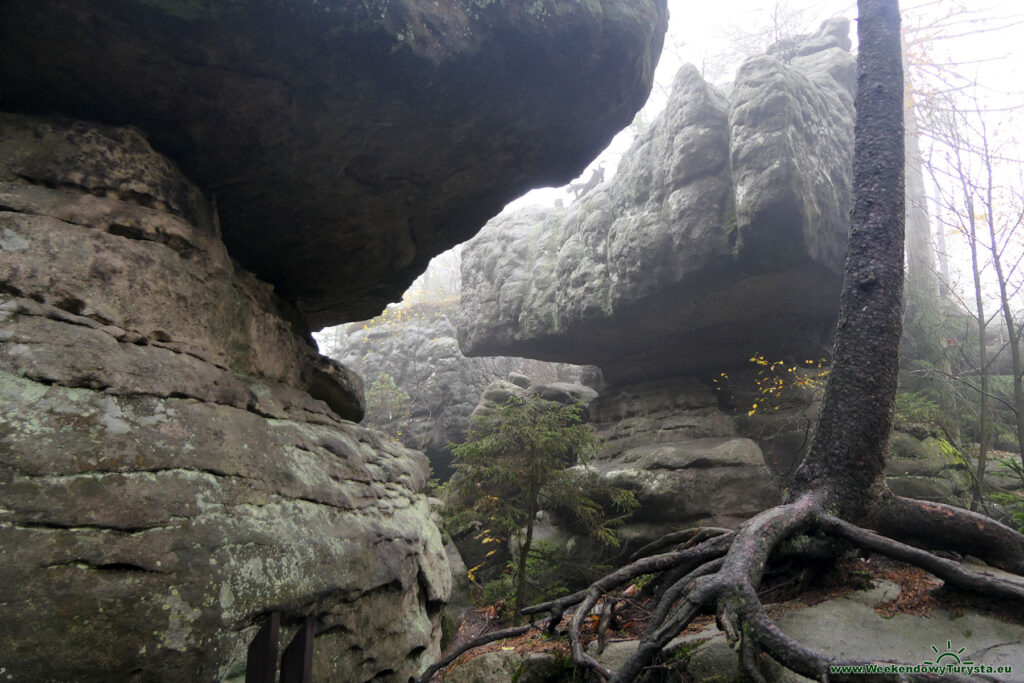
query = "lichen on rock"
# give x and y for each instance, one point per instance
(167, 474)
(346, 142)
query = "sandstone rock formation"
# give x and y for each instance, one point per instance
(495, 395)
(167, 472)
(849, 626)
(670, 442)
(415, 345)
(721, 235)
(345, 142)
(176, 460)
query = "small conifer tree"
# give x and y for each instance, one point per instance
(518, 461)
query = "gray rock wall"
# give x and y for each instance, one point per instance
(721, 235)
(415, 344)
(175, 458)
(670, 442)
(667, 441)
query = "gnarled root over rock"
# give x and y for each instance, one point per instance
(723, 570)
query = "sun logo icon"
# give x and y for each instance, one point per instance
(949, 653)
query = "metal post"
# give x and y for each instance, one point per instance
(261, 662)
(297, 661)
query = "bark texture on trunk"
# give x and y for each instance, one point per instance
(851, 443)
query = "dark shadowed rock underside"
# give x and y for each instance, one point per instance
(345, 143)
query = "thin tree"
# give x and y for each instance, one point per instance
(926, 299)
(517, 462)
(996, 247)
(967, 186)
(839, 489)
(930, 83)
(959, 213)
(934, 87)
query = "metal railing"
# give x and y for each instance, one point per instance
(296, 662)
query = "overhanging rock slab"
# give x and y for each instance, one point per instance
(345, 143)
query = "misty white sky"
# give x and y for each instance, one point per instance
(700, 34)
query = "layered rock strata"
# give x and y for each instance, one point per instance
(721, 237)
(670, 442)
(722, 234)
(671, 445)
(176, 460)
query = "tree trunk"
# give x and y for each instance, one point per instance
(1012, 330)
(848, 453)
(926, 298)
(922, 280)
(983, 417)
(524, 552)
(842, 478)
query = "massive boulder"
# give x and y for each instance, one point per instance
(176, 459)
(167, 474)
(345, 142)
(721, 235)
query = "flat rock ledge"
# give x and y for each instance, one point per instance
(721, 235)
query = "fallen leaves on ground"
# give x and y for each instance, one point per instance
(918, 591)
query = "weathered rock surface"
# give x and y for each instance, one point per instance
(149, 268)
(925, 469)
(849, 628)
(415, 345)
(346, 142)
(495, 395)
(506, 666)
(670, 442)
(721, 235)
(174, 462)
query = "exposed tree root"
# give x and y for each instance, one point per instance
(934, 525)
(841, 481)
(479, 641)
(724, 572)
